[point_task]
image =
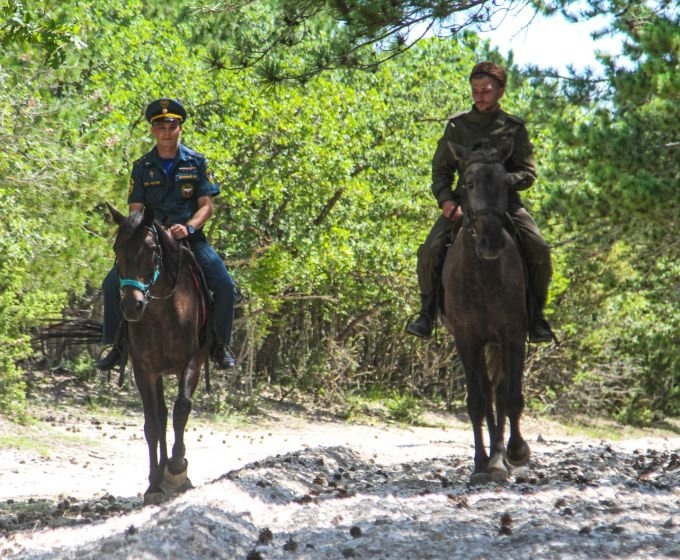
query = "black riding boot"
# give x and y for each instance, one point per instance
(117, 356)
(223, 357)
(539, 329)
(111, 360)
(423, 324)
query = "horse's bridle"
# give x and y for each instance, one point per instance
(157, 258)
(472, 215)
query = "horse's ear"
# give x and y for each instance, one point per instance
(461, 153)
(117, 216)
(148, 216)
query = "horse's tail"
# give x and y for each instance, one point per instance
(494, 363)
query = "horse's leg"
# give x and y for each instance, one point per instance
(497, 467)
(176, 474)
(518, 451)
(163, 420)
(488, 385)
(473, 362)
(498, 392)
(152, 428)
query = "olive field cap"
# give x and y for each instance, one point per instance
(491, 69)
(164, 109)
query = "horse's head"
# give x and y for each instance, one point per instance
(485, 184)
(138, 253)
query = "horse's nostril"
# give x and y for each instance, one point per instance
(139, 305)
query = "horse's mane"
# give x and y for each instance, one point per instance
(170, 251)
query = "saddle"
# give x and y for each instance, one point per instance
(200, 283)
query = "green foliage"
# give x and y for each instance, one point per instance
(614, 176)
(298, 40)
(404, 408)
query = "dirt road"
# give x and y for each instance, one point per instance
(294, 486)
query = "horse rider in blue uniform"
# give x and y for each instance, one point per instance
(177, 183)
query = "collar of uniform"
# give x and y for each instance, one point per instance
(181, 155)
(485, 118)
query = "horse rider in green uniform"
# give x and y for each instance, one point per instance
(486, 120)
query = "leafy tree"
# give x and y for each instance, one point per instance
(615, 172)
(296, 40)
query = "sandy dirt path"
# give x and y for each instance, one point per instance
(284, 485)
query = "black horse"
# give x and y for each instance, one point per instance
(163, 304)
(485, 309)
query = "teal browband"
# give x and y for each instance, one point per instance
(144, 288)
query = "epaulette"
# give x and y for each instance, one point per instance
(191, 152)
(187, 153)
(456, 115)
(141, 160)
(515, 119)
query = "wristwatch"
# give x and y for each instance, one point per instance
(190, 229)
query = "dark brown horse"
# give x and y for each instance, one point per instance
(163, 306)
(485, 310)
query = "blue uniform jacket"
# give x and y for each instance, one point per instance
(173, 197)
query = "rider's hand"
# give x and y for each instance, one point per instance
(451, 211)
(179, 231)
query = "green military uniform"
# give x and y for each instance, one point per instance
(505, 132)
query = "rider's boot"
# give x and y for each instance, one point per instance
(117, 356)
(539, 330)
(423, 324)
(223, 357)
(111, 360)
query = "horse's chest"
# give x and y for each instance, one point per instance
(483, 291)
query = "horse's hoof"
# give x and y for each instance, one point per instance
(178, 488)
(172, 479)
(478, 479)
(518, 456)
(497, 469)
(175, 483)
(154, 498)
(498, 475)
(186, 485)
